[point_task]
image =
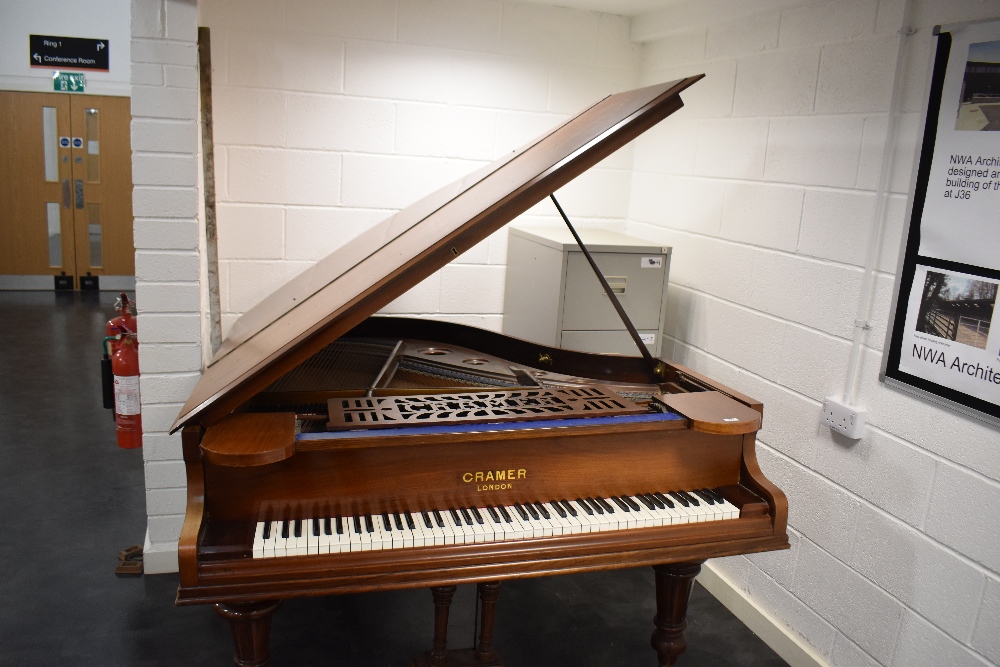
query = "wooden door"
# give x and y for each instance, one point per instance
(102, 186)
(65, 188)
(36, 218)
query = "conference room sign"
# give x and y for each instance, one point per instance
(943, 342)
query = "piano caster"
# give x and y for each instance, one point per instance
(483, 655)
(251, 626)
(673, 590)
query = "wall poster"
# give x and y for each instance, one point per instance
(941, 342)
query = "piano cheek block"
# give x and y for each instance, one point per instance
(250, 439)
(712, 412)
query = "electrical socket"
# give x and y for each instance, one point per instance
(846, 419)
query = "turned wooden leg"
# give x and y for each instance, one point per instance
(673, 589)
(250, 623)
(489, 592)
(442, 603)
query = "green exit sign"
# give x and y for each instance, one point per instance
(68, 82)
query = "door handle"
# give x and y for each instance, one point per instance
(79, 192)
(67, 195)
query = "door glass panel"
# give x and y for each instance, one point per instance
(92, 135)
(54, 233)
(94, 235)
(50, 142)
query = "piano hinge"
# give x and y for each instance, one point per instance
(545, 358)
(660, 370)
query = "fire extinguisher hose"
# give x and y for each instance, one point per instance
(107, 377)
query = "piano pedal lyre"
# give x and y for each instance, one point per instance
(482, 655)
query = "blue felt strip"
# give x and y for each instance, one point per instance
(485, 427)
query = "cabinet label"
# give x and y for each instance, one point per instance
(651, 263)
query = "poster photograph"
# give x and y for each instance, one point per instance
(948, 333)
(943, 342)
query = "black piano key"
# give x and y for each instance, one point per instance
(504, 513)
(663, 499)
(479, 517)
(493, 513)
(520, 511)
(267, 530)
(586, 506)
(558, 508)
(631, 503)
(328, 526)
(386, 522)
(398, 520)
(357, 525)
(466, 516)
(369, 524)
(409, 521)
(284, 529)
(621, 503)
(438, 519)
(605, 504)
(704, 496)
(657, 503)
(598, 507)
(715, 494)
(427, 518)
(454, 515)
(691, 499)
(532, 511)
(681, 499)
(298, 528)
(569, 508)
(650, 505)
(544, 512)
(315, 527)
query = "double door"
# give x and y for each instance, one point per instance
(65, 191)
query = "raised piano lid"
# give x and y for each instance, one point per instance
(338, 292)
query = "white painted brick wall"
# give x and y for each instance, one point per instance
(894, 554)
(168, 292)
(762, 183)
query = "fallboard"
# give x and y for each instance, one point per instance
(467, 469)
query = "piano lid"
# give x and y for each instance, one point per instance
(340, 291)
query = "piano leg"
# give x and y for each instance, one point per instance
(489, 592)
(251, 627)
(673, 590)
(483, 656)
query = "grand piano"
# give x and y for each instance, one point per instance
(329, 450)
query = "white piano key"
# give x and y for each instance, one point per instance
(363, 535)
(732, 511)
(518, 530)
(258, 540)
(280, 542)
(326, 543)
(301, 544)
(479, 533)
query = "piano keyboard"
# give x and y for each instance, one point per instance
(491, 523)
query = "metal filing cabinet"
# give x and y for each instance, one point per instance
(552, 296)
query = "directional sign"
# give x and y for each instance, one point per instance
(68, 82)
(49, 52)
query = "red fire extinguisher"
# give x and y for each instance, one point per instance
(125, 317)
(125, 367)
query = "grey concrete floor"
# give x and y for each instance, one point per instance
(71, 500)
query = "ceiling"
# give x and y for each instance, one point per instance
(620, 7)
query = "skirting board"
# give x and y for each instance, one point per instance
(782, 640)
(158, 558)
